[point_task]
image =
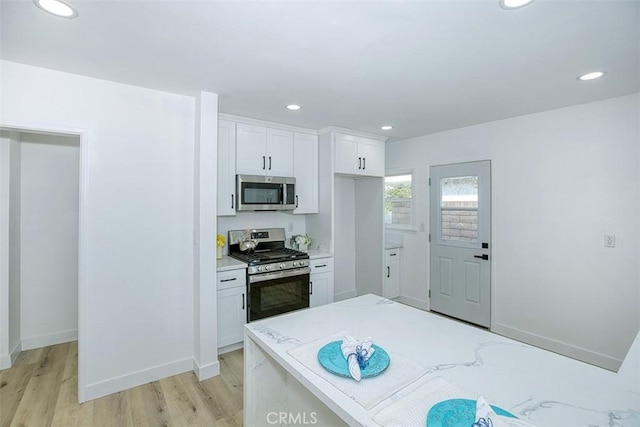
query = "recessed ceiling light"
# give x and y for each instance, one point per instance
(514, 4)
(591, 76)
(293, 107)
(57, 7)
(386, 127)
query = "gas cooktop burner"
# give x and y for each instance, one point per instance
(270, 248)
(269, 255)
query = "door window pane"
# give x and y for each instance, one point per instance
(459, 208)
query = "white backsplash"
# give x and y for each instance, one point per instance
(292, 224)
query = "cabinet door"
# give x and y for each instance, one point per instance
(305, 169)
(392, 275)
(226, 168)
(319, 289)
(372, 154)
(279, 152)
(232, 315)
(347, 154)
(321, 282)
(251, 149)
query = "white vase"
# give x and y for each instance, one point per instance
(219, 252)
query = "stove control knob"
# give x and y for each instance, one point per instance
(295, 263)
(267, 267)
(259, 268)
(281, 266)
(301, 263)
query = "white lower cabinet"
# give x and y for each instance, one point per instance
(392, 274)
(232, 303)
(321, 282)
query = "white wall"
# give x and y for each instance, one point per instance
(344, 237)
(136, 313)
(205, 184)
(10, 154)
(561, 179)
(48, 239)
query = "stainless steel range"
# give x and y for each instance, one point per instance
(277, 277)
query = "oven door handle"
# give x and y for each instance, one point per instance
(256, 278)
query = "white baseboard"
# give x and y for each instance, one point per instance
(7, 360)
(413, 302)
(205, 372)
(345, 295)
(124, 382)
(231, 347)
(40, 341)
(594, 358)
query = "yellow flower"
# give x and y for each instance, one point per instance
(220, 240)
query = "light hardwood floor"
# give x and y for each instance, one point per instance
(41, 389)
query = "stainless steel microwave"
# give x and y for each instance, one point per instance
(265, 193)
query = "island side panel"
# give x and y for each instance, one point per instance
(274, 397)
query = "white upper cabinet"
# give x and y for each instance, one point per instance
(226, 167)
(263, 151)
(251, 149)
(356, 155)
(305, 170)
(280, 152)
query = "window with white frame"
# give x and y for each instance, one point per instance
(398, 200)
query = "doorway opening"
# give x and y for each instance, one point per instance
(40, 199)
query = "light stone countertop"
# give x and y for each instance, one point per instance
(317, 254)
(536, 385)
(227, 263)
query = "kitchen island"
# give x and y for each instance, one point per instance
(284, 386)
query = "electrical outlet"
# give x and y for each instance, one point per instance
(609, 241)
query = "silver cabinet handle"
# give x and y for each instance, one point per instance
(296, 200)
(310, 288)
(359, 162)
(364, 163)
(229, 280)
(264, 164)
(243, 301)
(269, 162)
(388, 271)
(232, 201)
(320, 265)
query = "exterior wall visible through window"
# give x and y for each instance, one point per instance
(398, 201)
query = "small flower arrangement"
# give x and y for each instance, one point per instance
(300, 241)
(220, 240)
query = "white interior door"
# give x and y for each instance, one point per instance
(460, 279)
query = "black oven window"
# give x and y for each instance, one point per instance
(278, 296)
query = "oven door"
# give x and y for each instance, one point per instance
(279, 292)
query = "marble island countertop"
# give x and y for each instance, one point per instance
(536, 385)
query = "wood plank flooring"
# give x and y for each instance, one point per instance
(41, 389)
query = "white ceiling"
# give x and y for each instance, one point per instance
(421, 66)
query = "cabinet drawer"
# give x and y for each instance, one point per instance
(321, 265)
(232, 279)
(393, 254)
